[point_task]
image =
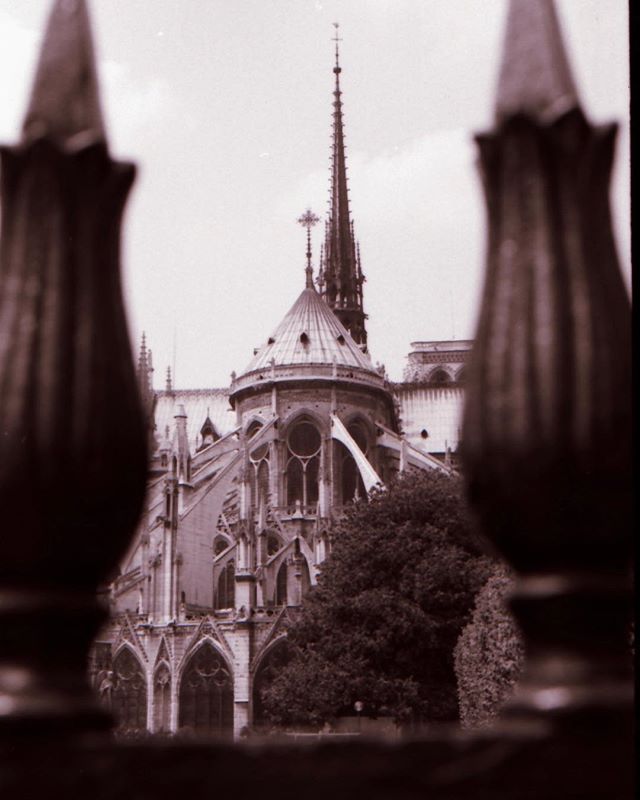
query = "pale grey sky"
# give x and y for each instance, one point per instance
(225, 105)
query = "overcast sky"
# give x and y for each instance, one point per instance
(225, 105)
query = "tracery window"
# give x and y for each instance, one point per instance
(129, 692)
(162, 699)
(258, 469)
(269, 668)
(303, 465)
(259, 472)
(225, 590)
(206, 694)
(351, 484)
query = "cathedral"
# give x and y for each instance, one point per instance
(245, 484)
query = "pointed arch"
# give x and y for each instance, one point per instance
(225, 590)
(275, 656)
(129, 691)
(439, 375)
(206, 693)
(303, 438)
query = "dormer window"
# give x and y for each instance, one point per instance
(304, 338)
(271, 340)
(340, 339)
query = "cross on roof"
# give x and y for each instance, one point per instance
(308, 219)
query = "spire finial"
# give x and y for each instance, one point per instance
(308, 220)
(337, 39)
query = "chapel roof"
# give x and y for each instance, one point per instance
(309, 334)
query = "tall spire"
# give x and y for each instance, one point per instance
(144, 367)
(342, 279)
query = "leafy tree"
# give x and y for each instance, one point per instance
(489, 654)
(392, 598)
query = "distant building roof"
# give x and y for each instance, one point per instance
(431, 417)
(198, 404)
(449, 346)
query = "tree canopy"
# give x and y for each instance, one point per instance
(392, 598)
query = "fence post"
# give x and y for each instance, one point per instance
(547, 424)
(72, 449)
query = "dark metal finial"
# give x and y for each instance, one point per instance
(535, 76)
(308, 220)
(548, 423)
(64, 341)
(65, 101)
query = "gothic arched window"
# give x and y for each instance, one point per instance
(258, 468)
(259, 472)
(129, 692)
(206, 694)
(303, 464)
(225, 590)
(268, 669)
(162, 699)
(281, 585)
(352, 485)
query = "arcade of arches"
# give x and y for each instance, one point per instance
(205, 694)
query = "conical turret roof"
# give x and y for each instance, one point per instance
(309, 334)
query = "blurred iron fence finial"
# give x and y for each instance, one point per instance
(547, 421)
(72, 449)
